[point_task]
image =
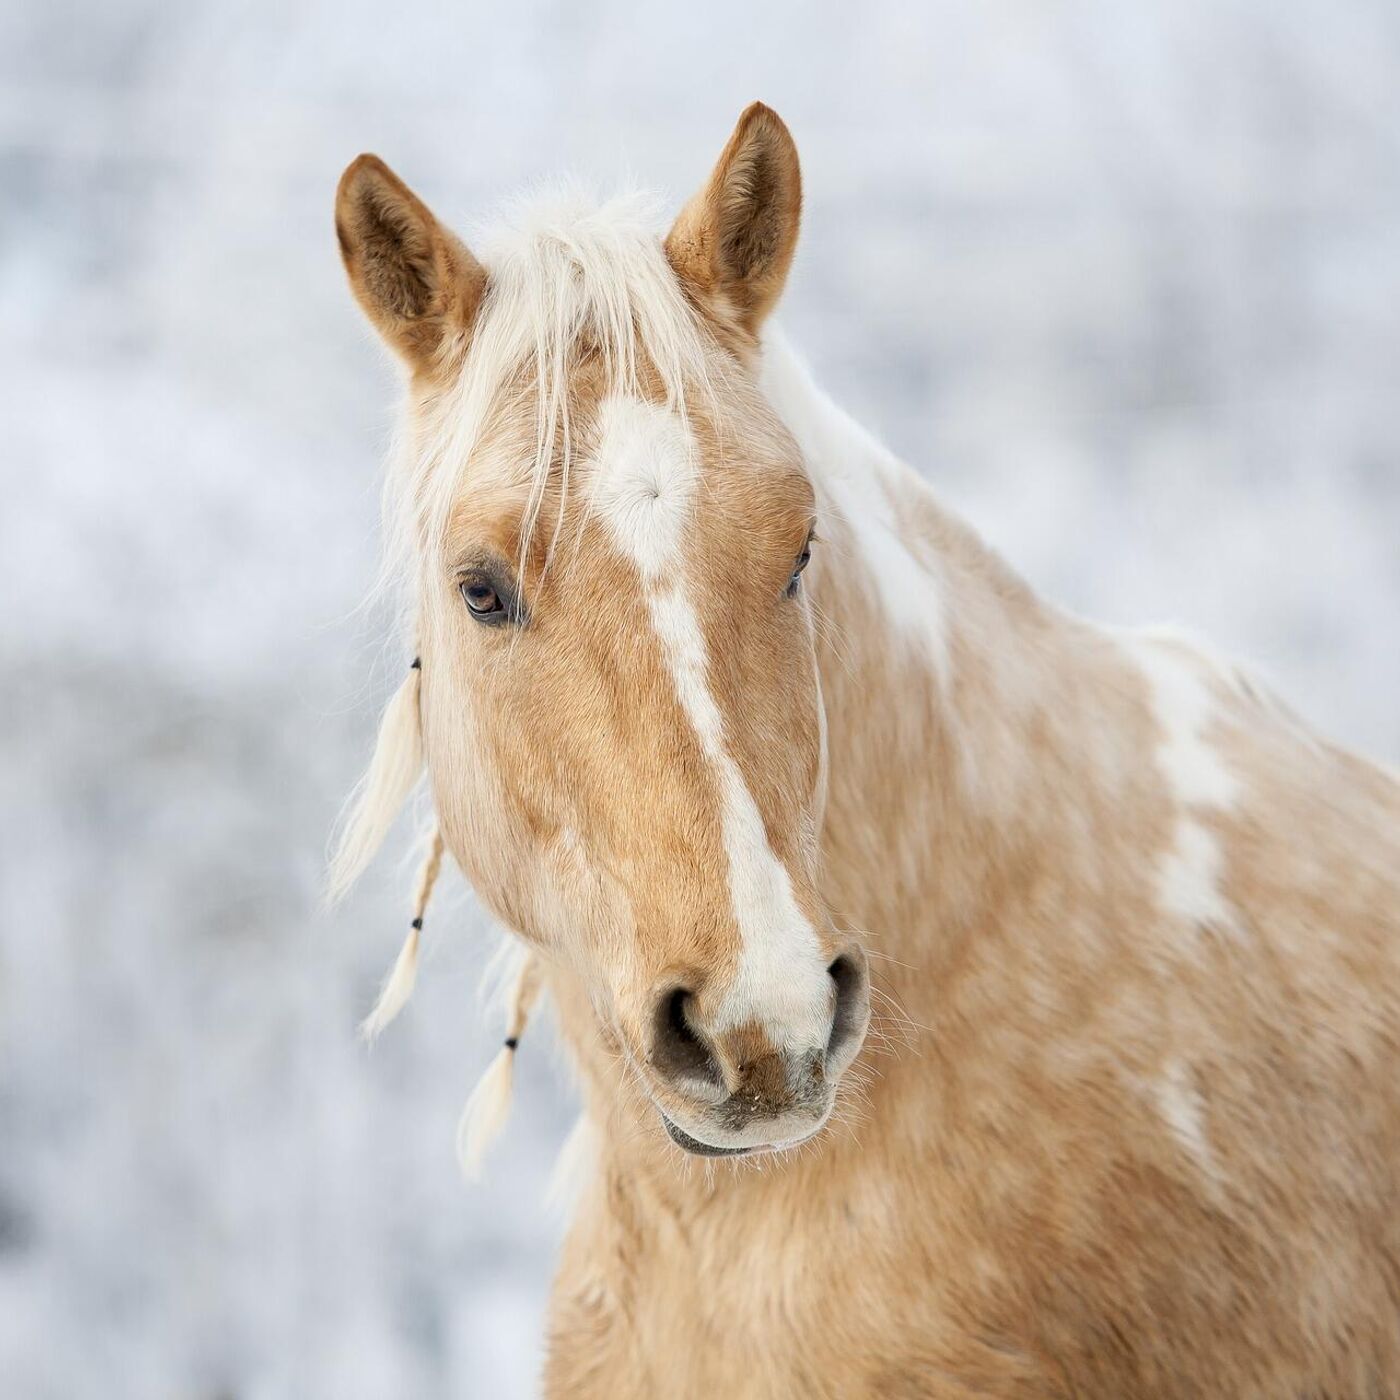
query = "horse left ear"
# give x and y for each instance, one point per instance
(413, 278)
(733, 243)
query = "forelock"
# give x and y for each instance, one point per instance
(569, 276)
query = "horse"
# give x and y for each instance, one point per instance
(967, 999)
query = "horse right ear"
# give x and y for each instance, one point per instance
(732, 245)
(415, 280)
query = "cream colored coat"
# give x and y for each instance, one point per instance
(1127, 1122)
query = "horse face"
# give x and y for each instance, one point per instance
(623, 723)
(620, 705)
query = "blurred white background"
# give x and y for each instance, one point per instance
(1123, 280)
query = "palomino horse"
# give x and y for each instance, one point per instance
(1128, 1122)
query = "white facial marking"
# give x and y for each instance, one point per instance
(644, 491)
(644, 481)
(1188, 879)
(781, 979)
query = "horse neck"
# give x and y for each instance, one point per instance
(952, 698)
(948, 690)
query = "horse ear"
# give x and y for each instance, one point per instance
(733, 243)
(415, 280)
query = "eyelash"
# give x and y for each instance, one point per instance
(803, 560)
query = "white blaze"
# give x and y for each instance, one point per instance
(644, 490)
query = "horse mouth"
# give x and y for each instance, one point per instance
(697, 1148)
(703, 1149)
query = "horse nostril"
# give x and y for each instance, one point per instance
(852, 1004)
(678, 1049)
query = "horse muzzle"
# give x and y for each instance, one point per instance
(749, 1088)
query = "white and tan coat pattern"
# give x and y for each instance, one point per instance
(1128, 1123)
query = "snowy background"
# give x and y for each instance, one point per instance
(1122, 279)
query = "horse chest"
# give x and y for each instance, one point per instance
(749, 1305)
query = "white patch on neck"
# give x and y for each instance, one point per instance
(1179, 1103)
(644, 491)
(1182, 705)
(860, 480)
(1188, 879)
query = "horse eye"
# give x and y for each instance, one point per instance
(803, 560)
(481, 599)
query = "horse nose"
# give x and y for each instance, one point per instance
(739, 1074)
(681, 1052)
(851, 975)
(757, 1067)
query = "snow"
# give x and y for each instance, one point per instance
(1124, 281)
